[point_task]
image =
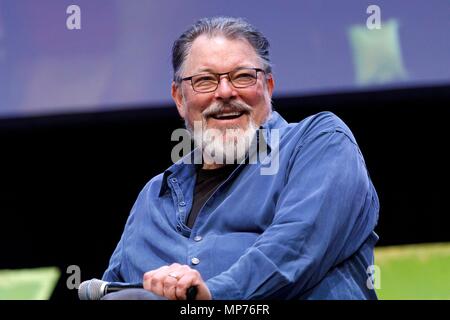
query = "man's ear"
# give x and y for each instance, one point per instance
(270, 84)
(178, 99)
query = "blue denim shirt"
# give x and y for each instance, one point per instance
(306, 232)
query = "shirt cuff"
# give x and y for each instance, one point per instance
(223, 287)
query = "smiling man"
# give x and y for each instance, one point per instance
(229, 90)
(306, 232)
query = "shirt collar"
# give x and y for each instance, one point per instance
(182, 169)
(275, 121)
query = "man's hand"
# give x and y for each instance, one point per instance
(173, 282)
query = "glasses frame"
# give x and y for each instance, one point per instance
(219, 75)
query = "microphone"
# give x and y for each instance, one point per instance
(96, 289)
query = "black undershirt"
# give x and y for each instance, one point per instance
(207, 182)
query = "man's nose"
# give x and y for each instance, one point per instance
(225, 89)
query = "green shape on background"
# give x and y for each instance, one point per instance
(28, 284)
(376, 54)
(411, 272)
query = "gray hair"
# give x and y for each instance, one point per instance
(232, 28)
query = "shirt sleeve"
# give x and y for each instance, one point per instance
(112, 273)
(323, 215)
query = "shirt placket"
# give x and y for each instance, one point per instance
(179, 205)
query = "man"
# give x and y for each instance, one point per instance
(303, 232)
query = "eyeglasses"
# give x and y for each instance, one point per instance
(209, 82)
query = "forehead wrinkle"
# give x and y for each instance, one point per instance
(216, 59)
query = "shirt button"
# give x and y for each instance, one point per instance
(195, 261)
(173, 180)
(182, 203)
(198, 238)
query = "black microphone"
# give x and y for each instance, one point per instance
(96, 289)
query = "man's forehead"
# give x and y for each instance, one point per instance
(220, 54)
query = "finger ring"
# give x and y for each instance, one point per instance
(173, 275)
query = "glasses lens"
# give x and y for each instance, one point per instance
(204, 82)
(243, 78)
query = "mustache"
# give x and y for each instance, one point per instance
(233, 106)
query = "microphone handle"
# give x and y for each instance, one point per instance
(117, 286)
(191, 293)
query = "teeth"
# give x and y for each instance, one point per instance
(229, 114)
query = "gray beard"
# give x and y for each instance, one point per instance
(226, 146)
